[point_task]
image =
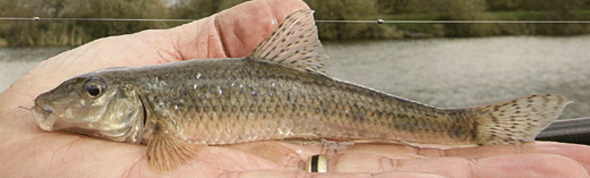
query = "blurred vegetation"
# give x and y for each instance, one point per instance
(73, 33)
(347, 10)
(489, 10)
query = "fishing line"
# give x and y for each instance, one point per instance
(381, 21)
(92, 19)
(377, 21)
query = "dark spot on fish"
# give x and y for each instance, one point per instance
(157, 127)
(512, 116)
(494, 119)
(198, 108)
(496, 108)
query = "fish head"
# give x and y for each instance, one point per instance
(92, 105)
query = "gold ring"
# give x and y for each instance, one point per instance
(317, 163)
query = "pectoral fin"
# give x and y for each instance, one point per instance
(166, 153)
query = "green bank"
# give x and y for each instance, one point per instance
(73, 33)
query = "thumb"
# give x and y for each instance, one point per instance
(234, 32)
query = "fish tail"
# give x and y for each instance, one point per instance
(519, 120)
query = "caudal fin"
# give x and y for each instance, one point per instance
(519, 120)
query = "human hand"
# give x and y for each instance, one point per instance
(27, 151)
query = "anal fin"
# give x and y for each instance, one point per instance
(166, 153)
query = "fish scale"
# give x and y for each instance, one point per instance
(279, 92)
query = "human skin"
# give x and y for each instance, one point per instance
(28, 151)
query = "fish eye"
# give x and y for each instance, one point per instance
(93, 90)
(94, 86)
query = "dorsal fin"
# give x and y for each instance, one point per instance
(293, 44)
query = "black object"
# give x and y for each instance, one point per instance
(569, 131)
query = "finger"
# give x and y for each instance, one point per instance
(288, 174)
(362, 162)
(67, 156)
(234, 32)
(526, 165)
(394, 151)
(283, 154)
(213, 160)
(252, 22)
(299, 173)
(579, 153)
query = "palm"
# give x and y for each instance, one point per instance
(32, 152)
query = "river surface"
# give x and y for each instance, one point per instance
(446, 73)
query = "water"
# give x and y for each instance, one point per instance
(15, 62)
(446, 73)
(457, 73)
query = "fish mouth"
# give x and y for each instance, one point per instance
(45, 117)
